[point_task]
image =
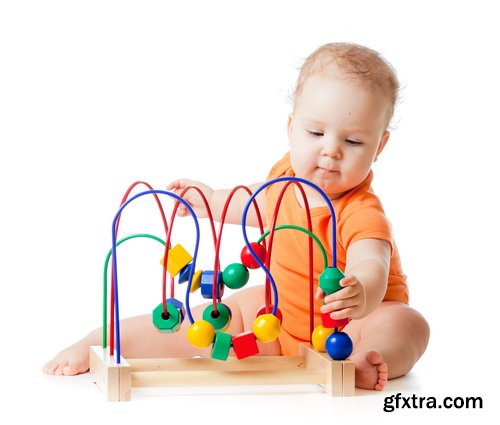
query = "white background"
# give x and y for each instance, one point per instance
(97, 94)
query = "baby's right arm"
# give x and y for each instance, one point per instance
(217, 199)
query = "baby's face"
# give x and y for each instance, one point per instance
(336, 131)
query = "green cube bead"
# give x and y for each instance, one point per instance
(329, 280)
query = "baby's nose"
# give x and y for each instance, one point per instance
(332, 148)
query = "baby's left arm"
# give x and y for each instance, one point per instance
(365, 283)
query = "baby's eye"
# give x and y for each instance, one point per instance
(316, 133)
(353, 142)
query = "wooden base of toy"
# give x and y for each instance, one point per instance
(309, 367)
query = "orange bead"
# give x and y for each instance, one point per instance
(266, 327)
(319, 337)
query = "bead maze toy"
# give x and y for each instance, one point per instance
(321, 362)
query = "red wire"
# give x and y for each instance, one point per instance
(219, 238)
(269, 251)
(167, 241)
(112, 301)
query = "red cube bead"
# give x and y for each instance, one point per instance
(328, 322)
(245, 345)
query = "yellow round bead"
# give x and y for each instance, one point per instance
(319, 337)
(266, 327)
(200, 334)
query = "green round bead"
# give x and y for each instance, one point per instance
(329, 280)
(221, 346)
(220, 320)
(235, 276)
(169, 323)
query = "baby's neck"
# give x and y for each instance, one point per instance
(314, 199)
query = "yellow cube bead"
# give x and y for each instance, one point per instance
(178, 258)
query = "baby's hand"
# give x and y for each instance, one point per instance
(350, 301)
(192, 196)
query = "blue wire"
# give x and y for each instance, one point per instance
(115, 268)
(247, 242)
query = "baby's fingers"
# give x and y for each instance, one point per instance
(343, 294)
(320, 294)
(182, 211)
(348, 281)
(178, 184)
(341, 307)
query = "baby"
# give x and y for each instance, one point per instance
(343, 103)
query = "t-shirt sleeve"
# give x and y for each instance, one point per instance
(280, 168)
(366, 220)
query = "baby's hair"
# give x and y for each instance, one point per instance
(359, 62)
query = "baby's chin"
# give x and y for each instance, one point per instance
(335, 184)
(331, 191)
(328, 182)
(315, 198)
(325, 183)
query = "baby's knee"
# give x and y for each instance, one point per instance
(422, 327)
(414, 325)
(399, 314)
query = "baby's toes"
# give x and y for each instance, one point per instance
(382, 368)
(50, 368)
(60, 369)
(72, 369)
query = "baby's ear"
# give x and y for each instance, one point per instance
(289, 126)
(382, 143)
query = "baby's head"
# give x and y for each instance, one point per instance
(343, 103)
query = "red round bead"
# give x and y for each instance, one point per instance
(328, 322)
(248, 260)
(262, 311)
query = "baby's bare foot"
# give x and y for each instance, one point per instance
(71, 361)
(371, 370)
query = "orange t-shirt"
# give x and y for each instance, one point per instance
(359, 216)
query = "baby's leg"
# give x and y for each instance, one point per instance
(140, 339)
(387, 343)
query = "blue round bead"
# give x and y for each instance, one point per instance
(338, 346)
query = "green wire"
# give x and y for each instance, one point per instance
(315, 238)
(105, 285)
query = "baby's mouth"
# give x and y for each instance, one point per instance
(329, 170)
